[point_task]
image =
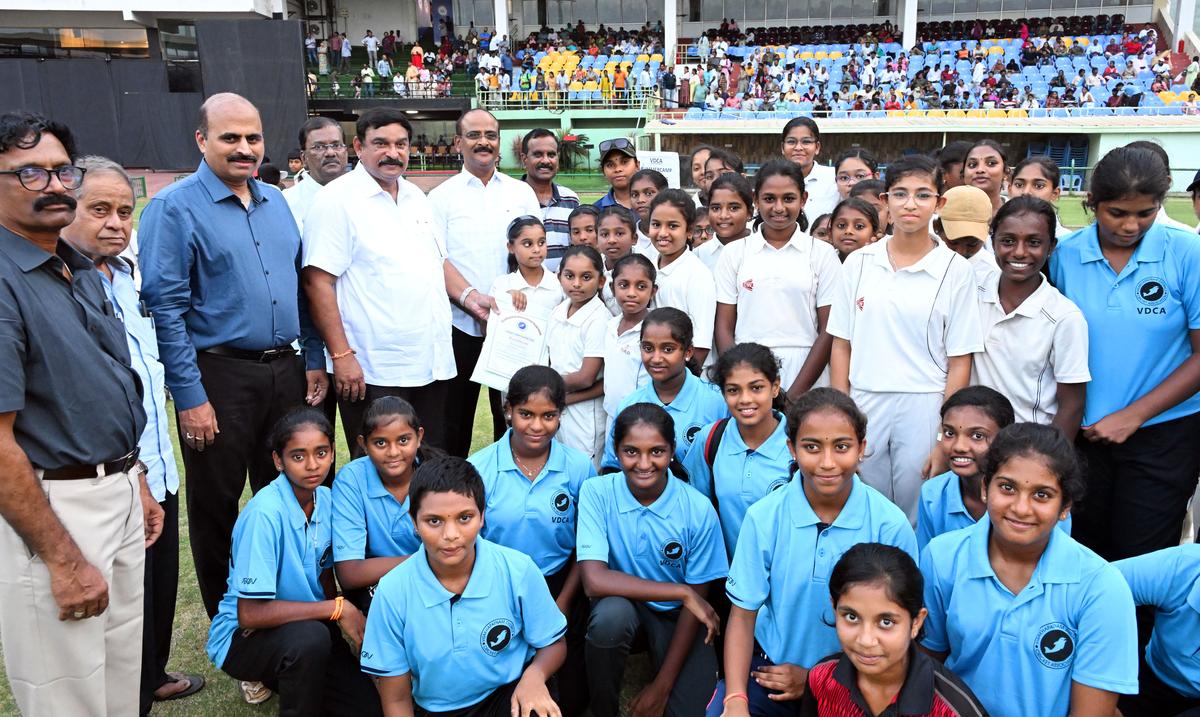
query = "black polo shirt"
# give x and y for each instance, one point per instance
(64, 360)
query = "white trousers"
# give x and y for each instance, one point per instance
(77, 667)
(901, 431)
(582, 427)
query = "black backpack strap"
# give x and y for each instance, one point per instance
(710, 456)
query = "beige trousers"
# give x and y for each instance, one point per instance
(77, 667)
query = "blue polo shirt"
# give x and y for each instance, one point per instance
(675, 539)
(535, 517)
(745, 475)
(1138, 320)
(460, 648)
(368, 521)
(784, 558)
(1169, 580)
(1073, 622)
(277, 554)
(941, 509)
(697, 404)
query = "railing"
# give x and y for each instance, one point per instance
(696, 113)
(636, 98)
(382, 89)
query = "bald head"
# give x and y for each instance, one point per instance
(222, 102)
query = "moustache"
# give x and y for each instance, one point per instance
(55, 200)
(389, 161)
(241, 158)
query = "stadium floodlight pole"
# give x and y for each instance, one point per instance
(501, 11)
(671, 30)
(908, 22)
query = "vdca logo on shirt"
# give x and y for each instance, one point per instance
(1151, 293)
(561, 505)
(672, 554)
(326, 561)
(496, 635)
(690, 434)
(777, 484)
(1054, 646)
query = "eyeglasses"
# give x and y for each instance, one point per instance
(619, 143)
(35, 179)
(848, 178)
(902, 196)
(319, 147)
(699, 231)
(474, 135)
(803, 142)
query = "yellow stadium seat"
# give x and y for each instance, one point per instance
(836, 54)
(895, 113)
(656, 57)
(1068, 41)
(591, 86)
(643, 57)
(956, 113)
(806, 55)
(932, 114)
(575, 86)
(998, 114)
(1083, 40)
(821, 55)
(995, 50)
(1017, 114)
(1167, 97)
(906, 113)
(976, 113)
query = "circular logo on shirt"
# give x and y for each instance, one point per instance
(1152, 291)
(777, 484)
(690, 434)
(562, 502)
(326, 558)
(495, 636)
(1055, 646)
(672, 551)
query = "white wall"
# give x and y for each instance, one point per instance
(166, 8)
(379, 16)
(1181, 148)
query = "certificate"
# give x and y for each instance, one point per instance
(514, 340)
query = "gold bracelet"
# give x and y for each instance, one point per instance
(342, 354)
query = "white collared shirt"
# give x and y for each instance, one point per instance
(821, 185)
(902, 325)
(1026, 354)
(540, 300)
(687, 285)
(984, 265)
(571, 339)
(300, 196)
(391, 292)
(777, 291)
(473, 219)
(623, 369)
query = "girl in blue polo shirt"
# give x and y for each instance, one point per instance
(532, 485)
(666, 341)
(466, 627)
(734, 462)
(279, 622)
(1138, 285)
(1035, 623)
(1169, 670)
(971, 418)
(648, 546)
(781, 623)
(372, 532)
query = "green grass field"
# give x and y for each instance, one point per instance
(221, 695)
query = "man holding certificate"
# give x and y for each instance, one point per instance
(373, 275)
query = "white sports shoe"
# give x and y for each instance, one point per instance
(255, 693)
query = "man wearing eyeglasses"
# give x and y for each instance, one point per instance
(373, 276)
(220, 255)
(77, 515)
(472, 211)
(323, 147)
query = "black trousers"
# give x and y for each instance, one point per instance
(309, 664)
(1138, 491)
(248, 398)
(1155, 698)
(428, 401)
(571, 679)
(496, 704)
(330, 408)
(161, 584)
(463, 395)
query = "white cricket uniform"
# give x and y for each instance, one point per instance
(569, 340)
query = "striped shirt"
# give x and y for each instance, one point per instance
(563, 201)
(930, 690)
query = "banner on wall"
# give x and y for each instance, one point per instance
(665, 162)
(443, 19)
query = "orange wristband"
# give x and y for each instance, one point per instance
(736, 696)
(342, 354)
(338, 603)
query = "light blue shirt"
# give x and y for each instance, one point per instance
(784, 559)
(675, 539)
(743, 475)
(278, 554)
(535, 517)
(217, 273)
(1169, 580)
(368, 521)
(941, 509)
(1138, 320)
(460, 648)
(697, 404)
(162, 475)
(1073, 622)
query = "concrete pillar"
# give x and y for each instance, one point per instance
(500, 10)
(671, 30)
(908, 23)
(1185, 16)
